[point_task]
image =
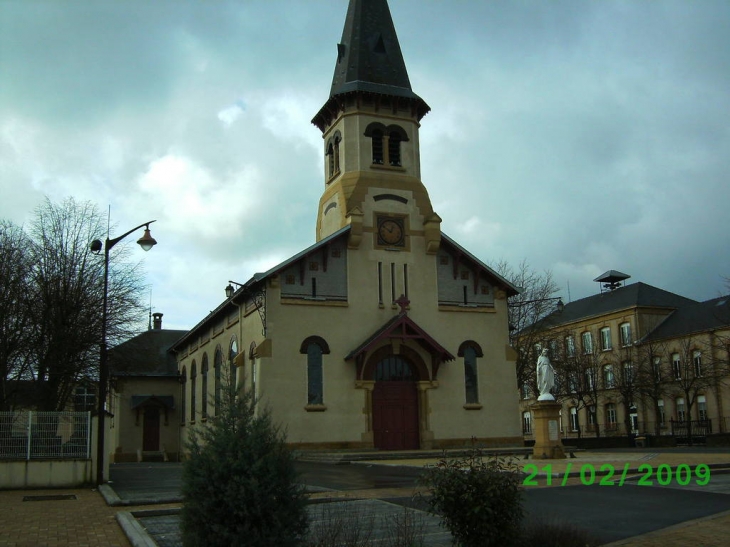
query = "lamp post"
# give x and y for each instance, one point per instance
(146, 242)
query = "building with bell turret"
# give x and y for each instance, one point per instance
(385, 333)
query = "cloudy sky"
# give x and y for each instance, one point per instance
(580, 136)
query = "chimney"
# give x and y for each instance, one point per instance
(157, 319)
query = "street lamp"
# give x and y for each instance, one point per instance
(146, 242)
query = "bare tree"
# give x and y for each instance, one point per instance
(15, 267)
(652, 378)
(66, 280)
(534, 302)
(694, 371)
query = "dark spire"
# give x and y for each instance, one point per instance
(368, 55)
(369, 59)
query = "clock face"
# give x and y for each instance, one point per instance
(390, 231)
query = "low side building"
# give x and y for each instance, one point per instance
(145, 391)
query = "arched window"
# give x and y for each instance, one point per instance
(377, 144)
(470, 350)
(183, 398)
(330, 160)
(217, 366)
(394, 149)
(386, 143)
(526, 423)
(395, 368)
(204, 387)
(336, 151)
(193, 374)
(232, 354)
(314, 347)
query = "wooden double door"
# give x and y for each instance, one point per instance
(395, 415)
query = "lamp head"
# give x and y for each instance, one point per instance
(96, 246)
(146, 241)
(229, 291)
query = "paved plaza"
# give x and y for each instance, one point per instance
(627, 515)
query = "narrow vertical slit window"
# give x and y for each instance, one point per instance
(392, 282)
(405, 280)
(465, 296)
(314, 287)
(380, 282)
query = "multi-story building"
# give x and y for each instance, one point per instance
(634, 360)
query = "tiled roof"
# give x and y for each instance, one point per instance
(693, 318)
(629, 296)
(147, 354)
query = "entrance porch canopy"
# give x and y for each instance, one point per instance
(401, 328)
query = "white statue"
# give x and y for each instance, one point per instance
(545, 377)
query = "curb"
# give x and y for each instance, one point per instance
(113, 500)
(135, 532)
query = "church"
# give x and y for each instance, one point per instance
(385, 333)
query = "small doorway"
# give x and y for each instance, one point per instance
(395, 405)
(151, 429)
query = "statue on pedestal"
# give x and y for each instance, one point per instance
(545, 377)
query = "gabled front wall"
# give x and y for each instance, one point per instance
(343, 421)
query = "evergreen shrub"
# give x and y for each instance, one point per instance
(478, 499)
(239, 482)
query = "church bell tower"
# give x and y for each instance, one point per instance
(370, 137)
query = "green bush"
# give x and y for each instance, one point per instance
(478, 499)
(239, 483)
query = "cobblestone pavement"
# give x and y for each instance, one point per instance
(83, 521)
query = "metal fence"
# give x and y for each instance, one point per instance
(45, 435)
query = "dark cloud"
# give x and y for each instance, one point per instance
(583, 136)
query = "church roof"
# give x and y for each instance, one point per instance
(509, 287)
(369, 55)
(257, 278)
(369, 58)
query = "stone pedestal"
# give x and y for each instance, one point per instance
(546, 430)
